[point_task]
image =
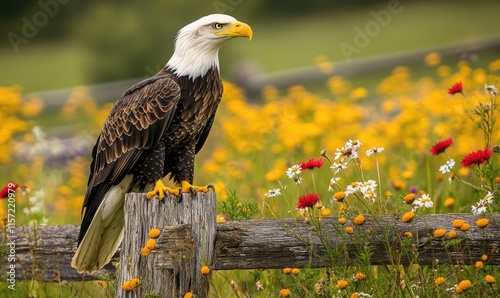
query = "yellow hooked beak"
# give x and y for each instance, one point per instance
(238, 29)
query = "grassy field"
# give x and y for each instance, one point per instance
(279, 43)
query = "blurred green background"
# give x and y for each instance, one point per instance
(52, 44)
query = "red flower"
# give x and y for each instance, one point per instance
(308, 200)
(5, 190)
(441, 146)
(476, 158)
(312, 163)
(456, 88)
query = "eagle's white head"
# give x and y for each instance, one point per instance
(197, 44)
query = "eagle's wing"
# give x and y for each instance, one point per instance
(137, 122)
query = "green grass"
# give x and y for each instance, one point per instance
(43, 66)
(289, 43)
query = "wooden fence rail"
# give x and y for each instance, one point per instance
(190, 238)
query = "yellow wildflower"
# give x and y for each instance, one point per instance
(295, 271)
(342, 220)
(463, 286)
(205, 270)
(154, 233)
(151, 244)
(409, 198)
(432, 59)
(342, 284)
(449, 202)
(131, 284)
(339, 196)
(145, 251)
(285, 292)
(325, 212)
(439, 233)
(490, 279)
(465, 227)
(359, 276)
(408, 235)
(452, 234)
(359, 220)
(439, 281)
(457, 223)
(287, 270)
(482, 222)
(484, 258)
(408, 216)
(479, 265)
(349, 230)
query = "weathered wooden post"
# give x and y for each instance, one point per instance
(188, 234)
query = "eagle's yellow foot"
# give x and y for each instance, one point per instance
(160, 190)
(187, 187)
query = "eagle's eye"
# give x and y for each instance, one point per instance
(217, 26)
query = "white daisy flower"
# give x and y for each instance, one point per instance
(374, 150)
(423, 202)
(488, 199)
(294, 171)
(479, 208)
(332, 183)
(491, 89)
(273, 193)
(338, 166)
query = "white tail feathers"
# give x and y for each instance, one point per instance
(105, 232)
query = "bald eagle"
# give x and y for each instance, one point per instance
(154, 129)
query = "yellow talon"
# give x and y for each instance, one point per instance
(160, 190)
(187, 187)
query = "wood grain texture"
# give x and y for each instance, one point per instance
(251, 244)
(261, 244)
(183, 274)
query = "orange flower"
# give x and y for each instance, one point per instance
(205, 270)
(342, 284)
(479, 265)
(287, 270)
(342, 220)
(409, 235)
(145, 251)
(339, 196)
(349, 230)
(452, 234)
(408, 216)
(449, 202)
(154, 233)
(439, 281)
(439, 233)
(457, 223)
(359, 220)
(151, 244)
(325, 212)
(464, 285)
(285, 292)
(295, 271)
(409, 198)
(490, 279)
(359, 276)
(482, 222)
(465, 227)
